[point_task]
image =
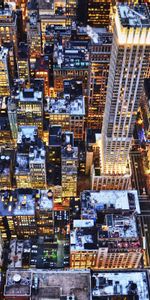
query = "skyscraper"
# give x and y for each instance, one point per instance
(128, 65)
(69, 165)
(98, 13)
(100, 51)
(4, 73)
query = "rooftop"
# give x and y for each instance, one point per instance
(134, 15)
(69, 152)
(5, 163)
(46, 5)
(70, 58)
(37, 154)
(29, 95)
(27, 134)
(7, 11)
(3, 53)
(33, 18)
(59, 284)
(93, 201)
(53, 29)
(117, 226)
(18, 203)
(66, 105)
(96, 35)
(131, 284)
(83, 223)
(83, 238)
(18, 283)
(45, 200)
(22, 164)
(67, 138)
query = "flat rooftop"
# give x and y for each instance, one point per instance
(134, 15)
(33, 19)
(45, 200)
(96, 35)
(37, 155)
(3, 53)
(70, 58)
(131, 284)
(69, 152)
(22, 164)
(63, 30)
(46, 5)
(118, 226)
(66, 105)
(111, 200)
(29, 95)
(83, 223)
(24, 203)
(82, 238)
(18, 283)
(7, 11)
(26, 134)
(56, 284)
(5, 163)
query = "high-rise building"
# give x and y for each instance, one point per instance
(37, 166)
(100, 51)
(30, 108)
(26, 212)
(5, 131)
(44, 212)
(4, 73)
(98, 13)
(69, 110)
(23, 65)
(51, 13)
(6, 161)
(128, 64)
(107, 236)
(54, 158)
(12, 116)
(27, 136)
(70, 63)
(40, 69)
(69, 166)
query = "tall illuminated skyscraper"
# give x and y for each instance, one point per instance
(4, 72)
(98, 76)
(128, 65)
